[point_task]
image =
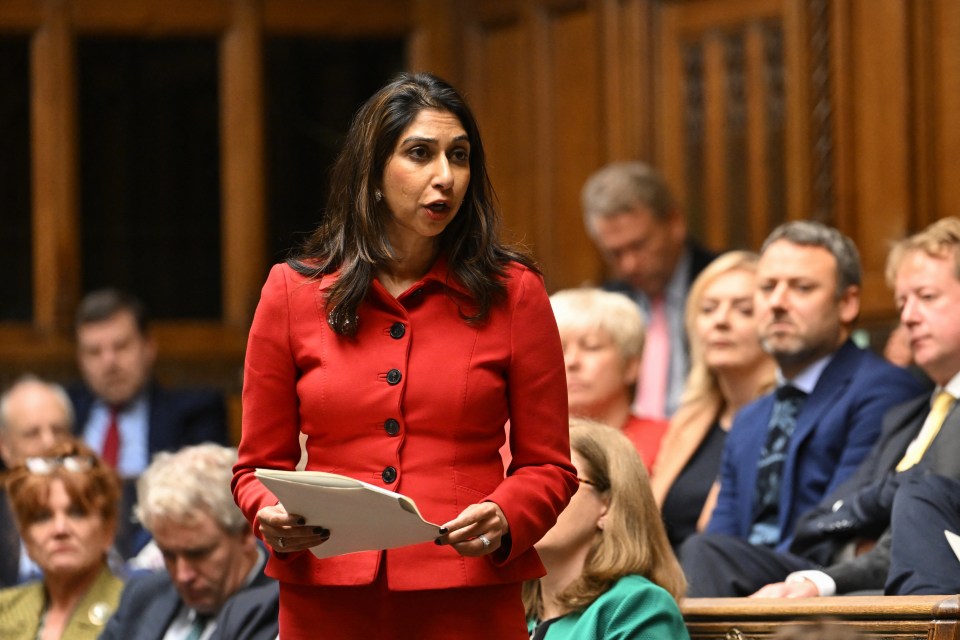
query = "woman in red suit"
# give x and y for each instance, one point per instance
(399, 342)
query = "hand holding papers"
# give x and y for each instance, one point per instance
(360, 516)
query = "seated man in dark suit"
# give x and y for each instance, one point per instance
(899, 501)
(34, 416)
(208, 549)
(122, 413)
(790, 448)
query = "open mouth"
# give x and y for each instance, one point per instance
(439, 207)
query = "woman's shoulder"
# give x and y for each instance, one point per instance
(518, 277)
(20, 609)
(11, 597)
(634, 593)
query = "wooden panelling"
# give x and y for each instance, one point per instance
(757, 152)
(505, 117)
(881, 144)
(945, 19)
(56, 258)
(343, 18)
(874, 617)
(437, 34)
(722, 75)
(626, 74)
(756, 111)
(545, 121)
(243, 181)
(572, 139)
(716, 127)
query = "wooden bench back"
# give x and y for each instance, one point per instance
(874, 617)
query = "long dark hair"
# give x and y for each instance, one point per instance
(353, 234)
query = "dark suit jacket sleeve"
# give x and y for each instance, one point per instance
(866, 571)
(900, 425)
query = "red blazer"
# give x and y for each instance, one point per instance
(416, 403)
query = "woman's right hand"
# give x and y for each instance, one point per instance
(287, 532)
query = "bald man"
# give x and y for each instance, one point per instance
(34, 415)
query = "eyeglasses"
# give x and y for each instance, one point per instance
(46, 466)
(599, 487)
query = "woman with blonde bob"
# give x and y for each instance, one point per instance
(728, 370)
(610, 570)
(602, 334)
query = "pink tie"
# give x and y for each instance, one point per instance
(655, 369)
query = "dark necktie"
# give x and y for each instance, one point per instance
(783, 420)
(198, 626)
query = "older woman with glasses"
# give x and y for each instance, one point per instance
(610, 570)
(65, 506)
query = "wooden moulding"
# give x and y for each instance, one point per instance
(901, 617)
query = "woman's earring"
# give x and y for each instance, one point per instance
(378, 195)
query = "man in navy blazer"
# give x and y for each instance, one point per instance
(116, 354)
(209, 552)
(893, 511)
(808, 298)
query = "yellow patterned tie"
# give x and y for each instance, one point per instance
(931, 427)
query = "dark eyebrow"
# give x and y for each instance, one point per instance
(433, 140)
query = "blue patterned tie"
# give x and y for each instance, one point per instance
(783, 420)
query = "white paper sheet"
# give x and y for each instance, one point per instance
(360, 516)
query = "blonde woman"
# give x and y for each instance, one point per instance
(610, 570)
(602, 335)
(728, 370)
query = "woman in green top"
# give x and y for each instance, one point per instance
(610, 571)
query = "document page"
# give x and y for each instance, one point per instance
(360, 516)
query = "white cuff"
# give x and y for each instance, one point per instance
(826, 586)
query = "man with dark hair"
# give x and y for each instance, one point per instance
(789, 448)
(886, 523)
(635, 222)
(121, 411)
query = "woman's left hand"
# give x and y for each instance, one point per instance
(476, 524)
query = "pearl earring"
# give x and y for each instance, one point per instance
(378, 195)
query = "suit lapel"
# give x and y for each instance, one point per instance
(943, 456)
(904, 423)
(832, 384)
(830, 387)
